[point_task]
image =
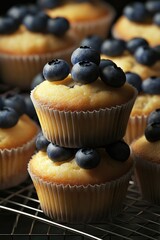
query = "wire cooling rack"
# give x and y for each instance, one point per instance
(22, 218)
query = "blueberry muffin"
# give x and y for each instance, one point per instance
(139, 20)
(87, 105)
(146, 152)
(86, 17)
(18, 133)
(28, 40)
(97, 178)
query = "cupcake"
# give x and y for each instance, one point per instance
(18, 133)
(86, 17)
(135, 55)
(87, 105)
(95, 178)
(147, 101)
(139, 20)
(28, 40)
(146, 152)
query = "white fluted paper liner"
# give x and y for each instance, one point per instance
(100, 26)
(147, 175)
(135, 128)
(65, 203)
(13, 164)
(79, 129)
(19, 71)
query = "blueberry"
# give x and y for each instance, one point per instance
(87, 158)
(151, 85)
(136, 42)
(156, 19)
(119, 151)
(146, 55)
(105, 63)
(56, 70)
(8, 117)
(152, 132)
(154, 116)
(85, 53)
(85, 72)
(153, 6)
(36, 23)
(113, 76)
(8, 25)
(136, 12)
(113, 47)
(1, 103)
(157, 49)
(58, 154)
(48, 3)
(41, 142)
(93, 41)
(29, 109)
(58, 26)
(39, 78)
(16, 102)
(18, 12)
(135, 80)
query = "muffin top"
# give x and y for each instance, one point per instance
(68, 172)
(80, 11)
(65, 95)
(24, 130)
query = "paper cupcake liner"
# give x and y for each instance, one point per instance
(135, 128)
(79, 129)
(65, 203)
(99, 26)
(13, 164)
(19, 71)
(147, 175)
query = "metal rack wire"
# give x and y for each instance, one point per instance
(20, 215)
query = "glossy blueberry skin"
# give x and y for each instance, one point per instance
(30, 110)
(93, 41)
(153, 6)
(87, 158)
(135, 80)
(136, 12)
(16, 102)
(154, 116)
(119, 151)
(105, 63)
(8, 25)
(156, 19)
(41, 142)
(18, 12)
(146, 55)
(56, 70)
(48, 3)
(151, 85)
(36, 23)
(58, 154)
(113, 76)
(85, 53)
(8, 117)
(113, 47)
(39, 78)
(58, 26)
(152, 132)
(85, 72)
(134, 43)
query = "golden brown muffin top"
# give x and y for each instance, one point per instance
(64, 95)
(24, 131)
(78, 12)
(126, 29)
(145, 104)
(68, 172)
(26, 42)
(149, 151)
(129, 64)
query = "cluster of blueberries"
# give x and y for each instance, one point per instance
(86, 158)
(12, 106)
(143, 12)
(34, 19)
(87, 67)
(152, 130)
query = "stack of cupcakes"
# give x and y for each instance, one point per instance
(81, 157)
